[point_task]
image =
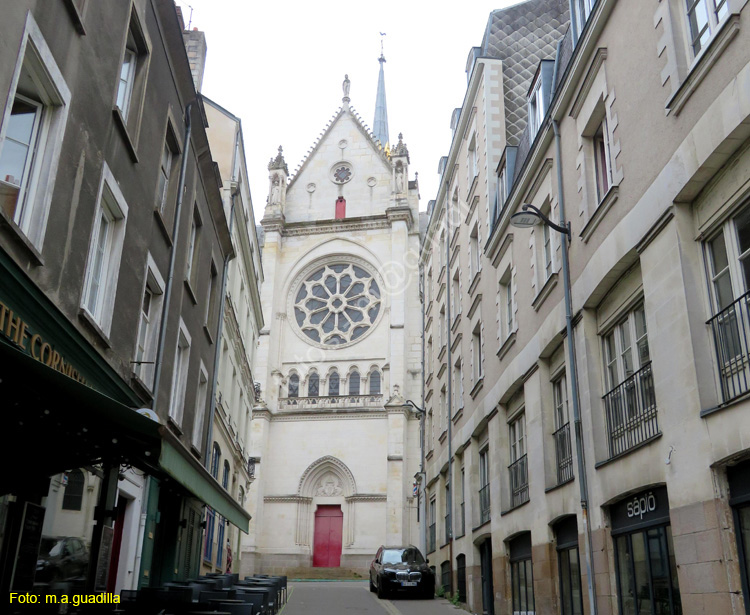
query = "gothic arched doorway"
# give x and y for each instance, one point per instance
(325, 510)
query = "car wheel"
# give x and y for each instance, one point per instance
(382, 592)
(372, 586)
(428, 593)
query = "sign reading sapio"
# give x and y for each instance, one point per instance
(642, 505)
(648, 507)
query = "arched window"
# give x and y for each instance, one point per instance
(294, 385)
(333, 384)
(354, 383)
(225, 477)
(313, 386)
(375, 382)
(216, 456)
(73, 498)
(241, 497)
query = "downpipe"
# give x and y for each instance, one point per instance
(582, 480)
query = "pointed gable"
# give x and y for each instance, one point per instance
(364, 173)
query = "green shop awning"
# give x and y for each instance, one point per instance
(197, 480)
(54, 423)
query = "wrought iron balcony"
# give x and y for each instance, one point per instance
(519, 482)
(431, 538)
(484, 504)
(730, 329)
(323, 402)
(631, 412)
(563, 454)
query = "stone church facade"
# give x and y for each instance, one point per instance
(336, 444)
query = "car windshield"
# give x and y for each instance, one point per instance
(402, 556)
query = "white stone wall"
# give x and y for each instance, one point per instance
(368, 452)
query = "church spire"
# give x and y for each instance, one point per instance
(380, 125)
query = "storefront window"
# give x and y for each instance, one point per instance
(739, 492)
(521, 575)
(644, 555)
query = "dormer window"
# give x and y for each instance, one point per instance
(536, 108)
(539, 95)
(505, 170)
(582, 9)
(455, 117)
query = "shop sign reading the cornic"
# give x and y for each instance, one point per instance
(17, 331)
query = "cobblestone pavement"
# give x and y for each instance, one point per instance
(354, 598)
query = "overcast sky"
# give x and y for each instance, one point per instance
(279, 67)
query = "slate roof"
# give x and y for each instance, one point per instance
(521, 36)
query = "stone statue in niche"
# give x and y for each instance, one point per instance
(329, 486)
(399, 179)
(275, 190)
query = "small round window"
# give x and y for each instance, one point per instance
(341, 173)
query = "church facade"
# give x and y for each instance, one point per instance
(335, 442)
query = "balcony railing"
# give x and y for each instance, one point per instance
(730, 329)
(431, 538)
(448, 533)
(331, 401)
(519, 482)
(563, 454)
(484, 504)
(631, 412)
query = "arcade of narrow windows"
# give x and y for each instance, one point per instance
(334, 384)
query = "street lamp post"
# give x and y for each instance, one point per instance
(530, 216)
(419, 476)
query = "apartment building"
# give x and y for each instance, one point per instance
(634, 147)
(108, 295)
(235, 388)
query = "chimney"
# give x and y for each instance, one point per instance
(195, 45)
(180, 18)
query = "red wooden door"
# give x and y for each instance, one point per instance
(329, 523)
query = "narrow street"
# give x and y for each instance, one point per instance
(349, 598)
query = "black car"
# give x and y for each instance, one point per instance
(401, 568)
(61, 559)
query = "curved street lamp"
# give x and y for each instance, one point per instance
(531, 216)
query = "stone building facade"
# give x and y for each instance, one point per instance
(108, 299)
(229, 459)
(336, 444)
(639, 141)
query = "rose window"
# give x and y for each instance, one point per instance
(337, 304)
